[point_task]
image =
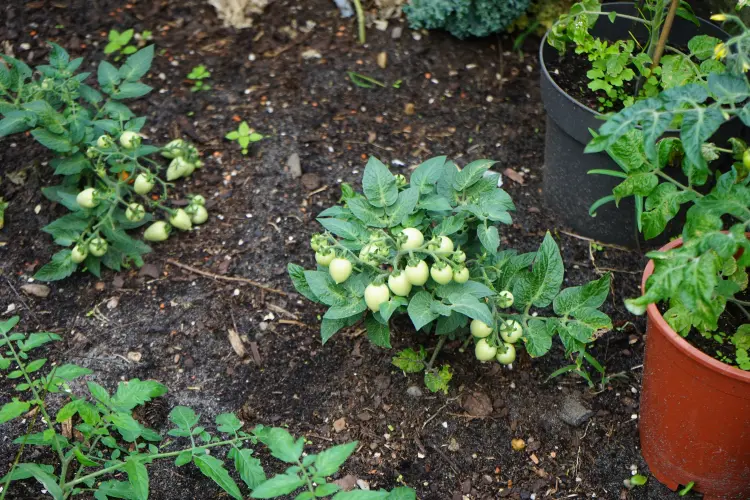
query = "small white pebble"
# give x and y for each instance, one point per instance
(434, 80)
(471, 66)
(445, 425)
(236, 292)
(634, 416)
(490, 98)
(251, 57)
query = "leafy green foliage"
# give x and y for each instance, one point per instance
(119, 43)
(244, 135)
(98, 153)
(465, 18)
(196, 77)
(708, 274)
(115, 443)
(448, 217)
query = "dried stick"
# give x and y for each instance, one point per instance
(225, 278)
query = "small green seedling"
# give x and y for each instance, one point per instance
(196, 77)
(364, 81)
(688, 487)
(119, 43)
(244, 135)
(638, 480)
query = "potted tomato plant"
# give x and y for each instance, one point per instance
(599, 59)
(695, 400)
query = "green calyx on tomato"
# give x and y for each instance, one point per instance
(418, 273)
(511, 331)
(198, 215)
(505, 299)
(130, 139)
(484, 351)
(441, 273)
(480, 329)
(324, 256)
(375, 295)
(441, 245)
(98, 246)
(340, 269)
(79, 254)
(104, 141)
(158, 231)
(507, 356)
(399, 284)
(459, 257)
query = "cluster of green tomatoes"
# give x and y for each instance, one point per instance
(184, 161)
(487, 344)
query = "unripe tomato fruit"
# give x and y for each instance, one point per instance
(98, 247)
(376, 295)
(508, 356)
(135, 212)
(418, 274)
(511, 331)
(178, 168)
(340, 269)
(480, 329)
(399, 284)
(459, 257)
(445, 246)
(181, 220)
(367, 254)
(461, 275)
(414, 238)
(746, 158)
(143, 185)
(198, 199)
(505, 299)
(130, 139)
(88, 198)
(324, 259)
(104, 141)
(483, 351)
(199, 215)
(441, 275)
(158, 231)
(79, 254)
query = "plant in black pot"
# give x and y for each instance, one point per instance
(601, 59)
(695, 400)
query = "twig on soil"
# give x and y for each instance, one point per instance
(319, 190)
(446, 458)
(280, 310)
(384, 148)
(578, 454)
(591, 240)
(22, 301)
(293, 322)
(225, 278)
(276, 53)
(438, 411)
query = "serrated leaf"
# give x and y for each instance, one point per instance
(13, 409)
(378, 333)
(426, 175)
(409, 360)
(329, 327)
(346, 310)
(540, 286)
(248, 467)
(538, 337)
(279, 485)
(365, 212)
(471, 174)
(56, 142)
(137, 477)
(378, 184)
(47, 480)
(137, 64)
(282, 444)
(438, 380)
(228, 423)
(472, 307)
(213, 468)
(328, 461)
(489, 237)
(592, 294)
(183, 417)
(59, 268)
(136, 392)
(419, 310)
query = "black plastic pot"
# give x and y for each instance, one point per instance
(568, 190)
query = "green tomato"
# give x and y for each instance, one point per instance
(505, 299)
(376, 295)
(441, 275)
(480, 329)
(459, 257)
(199, 215)
(198, 200)
(88, 198)
(104, 141)
(461, 275)
(130, 139)
(399, 284)
(324, 258)
(178, 168)
(181, 220)
(340, 269)
(368, 254)
(414, 238)
(511, 331)
(508, 356)
(143, 184)
(135, 212)
(173, 149)
(401, 180)
(79, 254)
(484, 351)
(158, 231)
(746, 158)
(445, 246)
(417, 274)
(98, 246)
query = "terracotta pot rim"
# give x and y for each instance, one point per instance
(679, 342)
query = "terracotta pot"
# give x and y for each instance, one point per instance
(695, 413)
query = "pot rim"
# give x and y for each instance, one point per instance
(599, 115)
(679, 342)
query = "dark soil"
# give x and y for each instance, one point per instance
(473, 99)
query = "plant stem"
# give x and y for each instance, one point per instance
(655, 24)
(156, 456)
(677, 183)
(665, 33)
(360, 21)
(439, 346)
(307, 477)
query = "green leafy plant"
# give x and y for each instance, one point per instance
(430, 248)
(653, 67)
(112, 442)
(465, 18)
(706, 277)
(196, 77)
(244, 135)
(107, 173)
(119, 43)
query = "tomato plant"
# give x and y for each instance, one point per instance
(107, 172)
(430, 248)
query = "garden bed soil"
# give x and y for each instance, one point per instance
(471, 99)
